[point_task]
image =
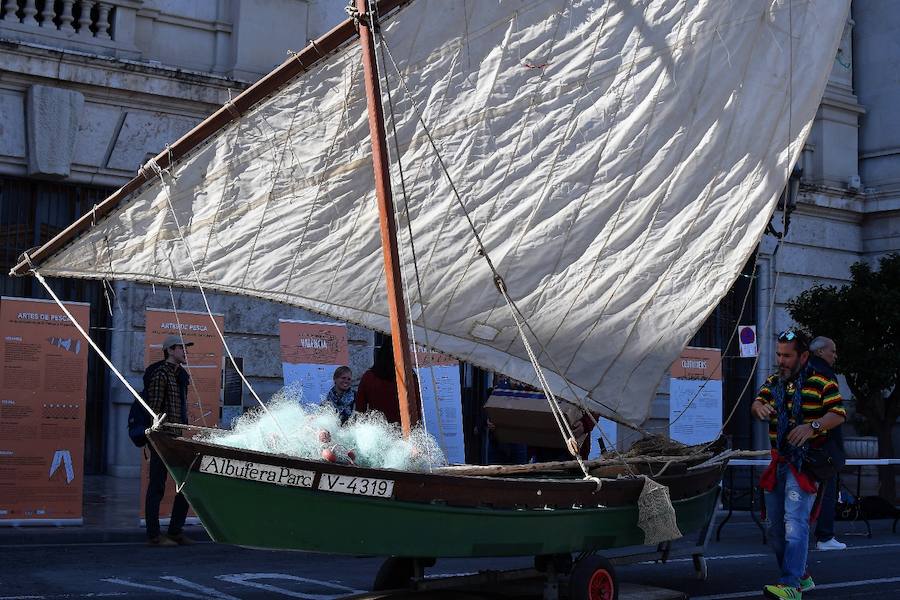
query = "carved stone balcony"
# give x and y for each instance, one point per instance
(104, 27)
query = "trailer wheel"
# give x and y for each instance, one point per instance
(701, 569)
(593, 578)
(395, 573)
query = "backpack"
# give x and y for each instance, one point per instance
(138, 423)
(138, 417)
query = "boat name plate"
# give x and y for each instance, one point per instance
(363, 486)
(241, 469)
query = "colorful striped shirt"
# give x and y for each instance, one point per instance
(820, 395)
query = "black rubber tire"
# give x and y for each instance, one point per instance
(701, 567)
(593, 578)
(395, 573)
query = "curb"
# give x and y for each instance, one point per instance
(65, 535)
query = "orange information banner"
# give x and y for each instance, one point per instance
(310, 352)
(204, 364)
(698, 363)
(42, 412)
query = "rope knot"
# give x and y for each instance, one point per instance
(149, 169)
(358, 17)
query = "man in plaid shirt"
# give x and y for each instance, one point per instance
(165, 389)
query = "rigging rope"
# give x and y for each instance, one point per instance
(561, 421)
(165, 185)
(780, 240)
(103, 357)
(482, 250)
(379, 65)
(187, 362)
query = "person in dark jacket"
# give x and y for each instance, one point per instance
(165, 389)
(378, 388)
(823, 354)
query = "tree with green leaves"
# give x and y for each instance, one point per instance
(863, 318)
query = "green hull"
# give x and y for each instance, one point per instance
(240, 512)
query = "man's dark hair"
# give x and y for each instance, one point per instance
(798, 338)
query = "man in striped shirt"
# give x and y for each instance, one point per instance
(801, 405)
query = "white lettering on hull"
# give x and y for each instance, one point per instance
(240, 469)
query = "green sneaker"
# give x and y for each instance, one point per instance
(807, 584)
(781, 591)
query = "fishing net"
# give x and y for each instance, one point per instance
(313, 432)
(656, 515)
(658, 445)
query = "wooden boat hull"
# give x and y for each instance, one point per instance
(425, 516)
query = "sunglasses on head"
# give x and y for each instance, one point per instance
(787, 336)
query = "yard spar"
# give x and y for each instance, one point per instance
(592, 173)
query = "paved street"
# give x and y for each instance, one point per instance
(738, 566)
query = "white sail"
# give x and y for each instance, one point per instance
(619, 162)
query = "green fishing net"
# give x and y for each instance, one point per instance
(293, 428)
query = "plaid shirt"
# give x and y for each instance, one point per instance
(164, 394)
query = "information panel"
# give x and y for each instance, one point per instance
(204, 364)
(695, 396)
(310, 352)
(42, 412)
(442, 400)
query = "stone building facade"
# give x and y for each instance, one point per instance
(846, 207)
(89, 90)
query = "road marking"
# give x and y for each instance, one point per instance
(247, 579)
(155, 588)
(200, 588)
(822, 586)
(769, 554)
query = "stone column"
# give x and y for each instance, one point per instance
(47, 16)
(84, 21)
(28, 12)
(10, 8)
(103, 21)
(65, 16)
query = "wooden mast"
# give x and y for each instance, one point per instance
(396, 307)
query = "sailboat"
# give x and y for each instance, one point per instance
(578, 182)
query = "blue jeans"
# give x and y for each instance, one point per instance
(787, 511)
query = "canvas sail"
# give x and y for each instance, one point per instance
(619, 163)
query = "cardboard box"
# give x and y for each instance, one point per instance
(524, 418)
